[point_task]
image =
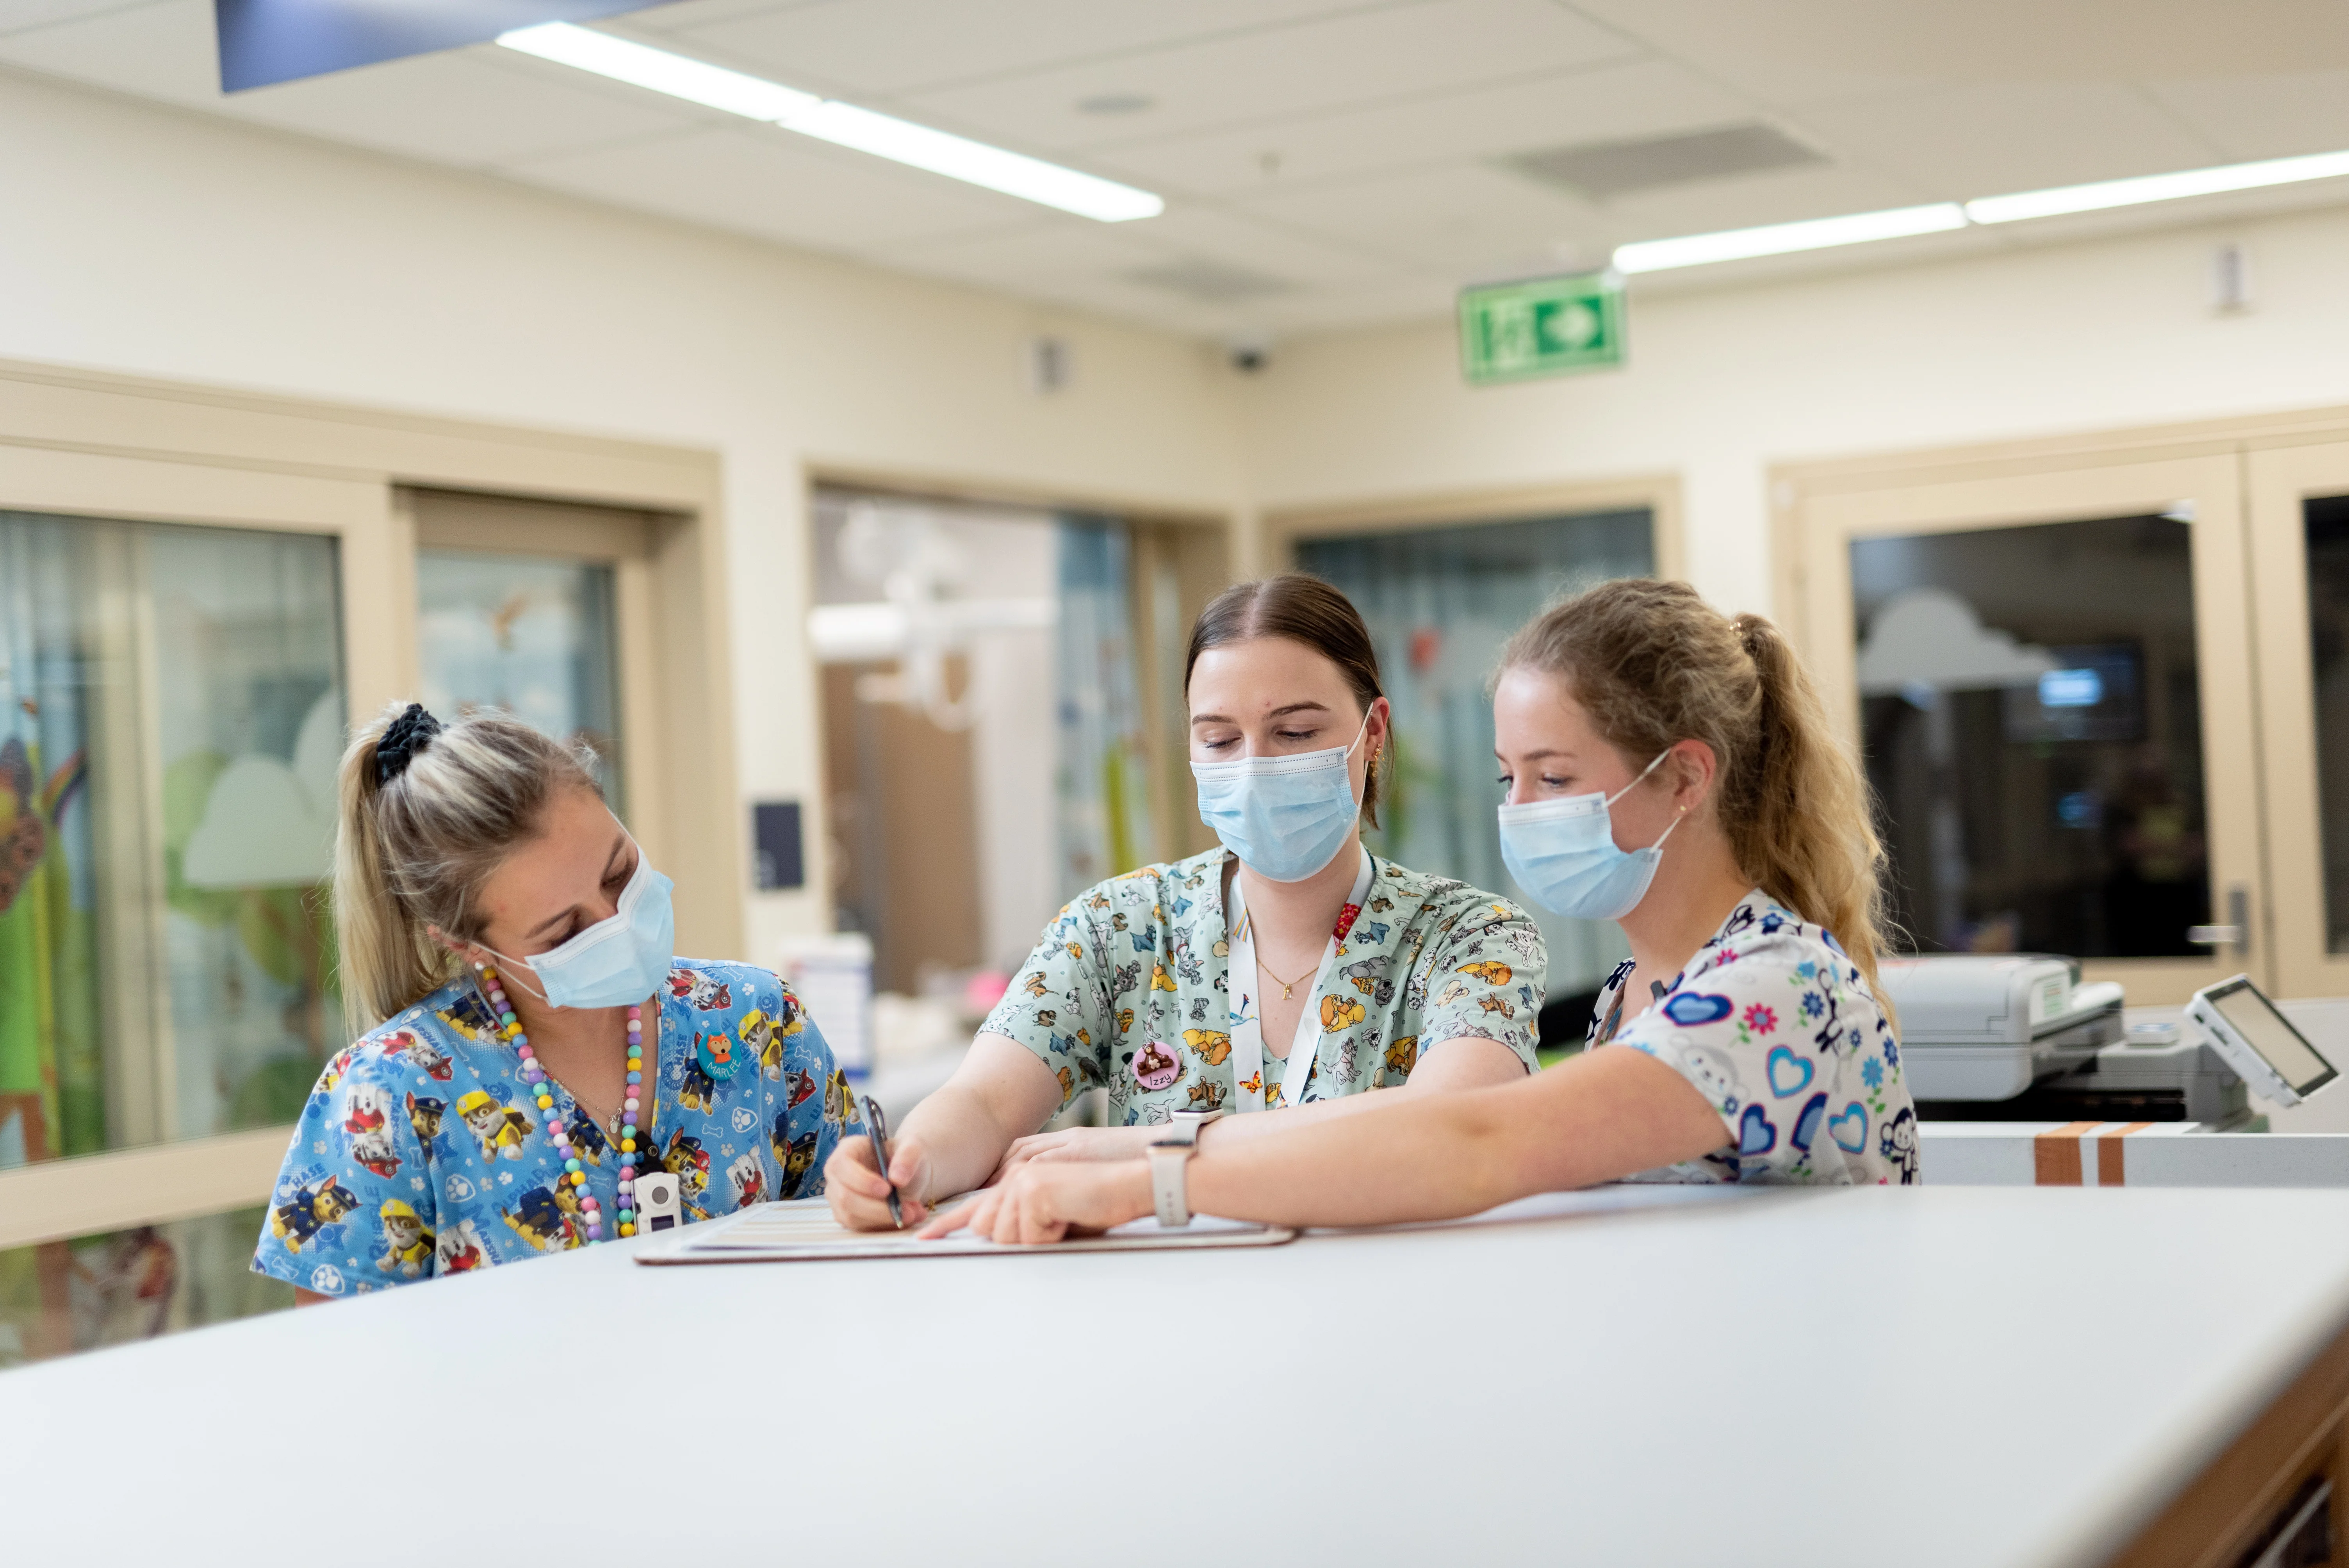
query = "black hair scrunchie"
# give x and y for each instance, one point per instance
(403, 738)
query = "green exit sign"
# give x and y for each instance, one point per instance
(1514, 331)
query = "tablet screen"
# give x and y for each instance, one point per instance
(2255, 1018)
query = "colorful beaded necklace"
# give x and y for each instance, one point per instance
(573, 1168)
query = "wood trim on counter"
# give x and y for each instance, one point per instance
(2209, 1524)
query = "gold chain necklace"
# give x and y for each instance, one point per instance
(1248, 924)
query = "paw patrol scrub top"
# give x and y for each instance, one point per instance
(420, 1152)
(1131, 987)
(1775, 1025)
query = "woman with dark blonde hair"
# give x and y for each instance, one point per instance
(1288, 971)
(1669, 767)
(527, 1041)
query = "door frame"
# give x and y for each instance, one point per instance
(1659, 493)
(2270, 793)
(2208, 486)
(2280, 474)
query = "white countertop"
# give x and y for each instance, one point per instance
(1960, 1376)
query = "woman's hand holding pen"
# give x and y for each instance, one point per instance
(1046, 1199)
(859, 1193)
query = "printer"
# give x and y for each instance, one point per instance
(2015, 1036)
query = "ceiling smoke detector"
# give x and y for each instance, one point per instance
(1210, 283)
(1600, 170)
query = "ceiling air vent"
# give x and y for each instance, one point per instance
(1599, 169)
(1209, 282)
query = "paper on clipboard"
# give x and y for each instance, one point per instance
(805, 1231)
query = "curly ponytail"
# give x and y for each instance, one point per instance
(1653, 663)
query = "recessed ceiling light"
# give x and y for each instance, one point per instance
(1781, 239)
(1859, 228)
(1117, 103)
(842, 124)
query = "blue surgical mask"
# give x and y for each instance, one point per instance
(1562, 852)
(1285, 816)
(614, 962)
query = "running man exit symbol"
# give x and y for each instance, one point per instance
(1514, 331)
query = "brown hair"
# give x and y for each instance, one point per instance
(420, 827)
(1653, 664)
(1304, 610)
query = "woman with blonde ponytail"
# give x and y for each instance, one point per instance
(1672, 768)
(528, 1039)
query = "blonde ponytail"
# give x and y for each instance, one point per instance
(425, 813)
(1651, 663)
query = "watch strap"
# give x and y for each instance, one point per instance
(1168, 1198)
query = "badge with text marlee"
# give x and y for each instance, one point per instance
(715, 1051)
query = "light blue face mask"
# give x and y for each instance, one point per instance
(1563, 853)
(1285, 816)
(614, 962)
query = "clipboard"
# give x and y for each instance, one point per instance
(805, 1231)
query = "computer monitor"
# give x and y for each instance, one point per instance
(2258, 1042)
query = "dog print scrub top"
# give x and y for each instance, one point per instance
(1775, 1025)
(421, 1153)
(1131, 987)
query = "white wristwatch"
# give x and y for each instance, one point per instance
(1168, 1155)
(1185, 1127)
(1167, 1159)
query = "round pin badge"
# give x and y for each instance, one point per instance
(716, 1054)
(1155, 1065)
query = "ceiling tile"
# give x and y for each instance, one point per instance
(1402, 50)
(1984, 140)
(1463, 222)
(17, 16)
(1748, 201)
(2265, 117)
(891, 45)
(460, 108)
(1069, 262)
(1246, 239)
(1646, 97)
(163, 50)
(777, 186)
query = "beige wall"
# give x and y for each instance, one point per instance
(1722, 384)
(154, 243)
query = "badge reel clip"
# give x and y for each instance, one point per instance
(657, 1202)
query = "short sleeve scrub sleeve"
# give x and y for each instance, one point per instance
(1775, 1025)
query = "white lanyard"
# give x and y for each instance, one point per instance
(1247, 1020)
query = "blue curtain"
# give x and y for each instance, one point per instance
(1101, 772)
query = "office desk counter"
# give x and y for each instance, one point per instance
(1955, 1376)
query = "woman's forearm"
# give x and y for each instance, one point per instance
(1000, 1092)
(1600, 1117)
(1363, 1160)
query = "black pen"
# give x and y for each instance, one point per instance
(876, 1127)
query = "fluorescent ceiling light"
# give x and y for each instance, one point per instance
(1857, 228)
(1779, 239)
(828, 120)
(2156, 188)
